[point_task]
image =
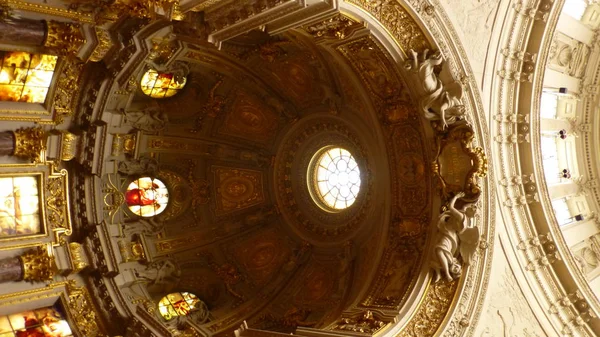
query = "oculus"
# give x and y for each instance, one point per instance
(161, 85)
(147, 197)
(334, 178)
(25, 77)
(178, 304)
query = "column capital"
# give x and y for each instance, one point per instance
(29, 143)
(38, 265)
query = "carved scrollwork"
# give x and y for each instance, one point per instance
(459, 165)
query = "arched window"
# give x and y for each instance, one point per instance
(147, 196)
(334, 178)
(25, 77)
(160, 85)
(179, 304)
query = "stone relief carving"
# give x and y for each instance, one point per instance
(142, 166)
(587, 255)
(162, 276)
(149, 119)
(508, 313)
(149, 226)
(568, 55)
(438, 102)
(457, 237)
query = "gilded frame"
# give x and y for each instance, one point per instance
(456, 154)
(77, 303)
(54, 213)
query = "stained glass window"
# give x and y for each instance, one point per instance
(44, 322)
(336, 178)
(146, 197)
(19, 206)
(177, 304)
(160, 85)
(25, 77)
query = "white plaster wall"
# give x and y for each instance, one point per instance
(474, 21)
(506, 312)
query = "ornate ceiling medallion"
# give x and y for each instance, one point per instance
(297, 191)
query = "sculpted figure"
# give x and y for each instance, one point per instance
(150, 119)
(161, 276)
(457, 236)
(439, 102)
(149, 226)
(142, 166)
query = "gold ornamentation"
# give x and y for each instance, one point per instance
(398, 22)
(250, 118)
(29, 143)
(237, 189)
(206, 4)
(338, 26)
(458, 165)
(433, 309)
(131, 250)
(78, 256)
(363, 323)
(67, 89)
(57, 204)
(52, 11)
(200, 190)
(38, 265)
(163, 50)
(68, 145)
(83, 313)
(124, 144)
(64, 38)
(103, 46)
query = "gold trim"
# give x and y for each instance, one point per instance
(41, 177)
(398, 22)
(45, 9)
(31, 292)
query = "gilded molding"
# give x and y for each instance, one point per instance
(67, 89)
(38, 265)
(57, 205)
(364, 323)
(45, 9)
(64, 38)
(83, 313)
(103, 46)
(432, 311)
(337, 27)
(396, 19)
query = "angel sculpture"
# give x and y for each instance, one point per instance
(150, 119)
(438, 102)
(457, 236)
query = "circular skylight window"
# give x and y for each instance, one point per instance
(334, 179)
(147, 196)
(161, 85)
